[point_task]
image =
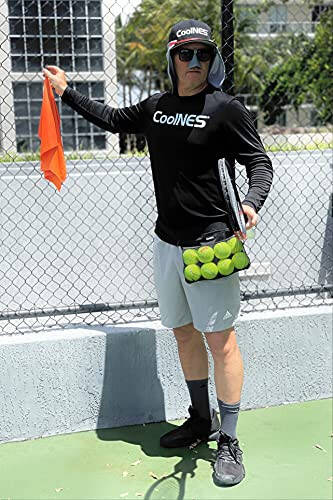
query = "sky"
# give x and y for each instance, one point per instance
(124, 7)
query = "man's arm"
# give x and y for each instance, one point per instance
(130, 119)
(246, 147)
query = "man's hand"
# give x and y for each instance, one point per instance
(252, 216)
(57, 78)
(252, 221)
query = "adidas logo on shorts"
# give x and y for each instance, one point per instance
(227, 315)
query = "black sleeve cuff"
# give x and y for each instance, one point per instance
(250, 204)
(66, 94)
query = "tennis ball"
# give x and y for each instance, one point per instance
(209, 271)
(190, 256)
(225, 267)
(222, 250)
(240, 260)
(205, 254)
(192, 272)
(235, 245)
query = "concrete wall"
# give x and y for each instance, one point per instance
(92, 378)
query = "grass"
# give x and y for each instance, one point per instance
(90, 155)
(285, 148)
(74, 155)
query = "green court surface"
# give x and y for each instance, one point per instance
(287, 455)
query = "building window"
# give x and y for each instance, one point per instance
(66, 33)
(247, 18)
(77, 133)
(277, 17)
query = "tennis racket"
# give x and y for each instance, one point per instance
(232, 200)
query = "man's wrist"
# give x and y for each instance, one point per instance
(249, 204)
(63, 88)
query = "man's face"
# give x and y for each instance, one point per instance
(191, 73)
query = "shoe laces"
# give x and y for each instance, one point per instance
(228, 450)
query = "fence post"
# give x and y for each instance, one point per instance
(227, 34)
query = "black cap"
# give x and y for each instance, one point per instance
(189, 31)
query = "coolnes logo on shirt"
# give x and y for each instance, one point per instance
(190, 31)
(198, 121)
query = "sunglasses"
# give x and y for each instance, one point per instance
(203, 55)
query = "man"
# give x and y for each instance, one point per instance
(188, 130)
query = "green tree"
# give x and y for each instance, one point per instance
(141, 43)
(282, 83)
(282, 70)
(145, 35)
(318, 77)
(304, 75)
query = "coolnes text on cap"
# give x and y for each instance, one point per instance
(187, 120)
(190, 31)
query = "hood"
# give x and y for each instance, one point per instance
(191, 31)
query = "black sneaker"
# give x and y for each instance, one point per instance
(228, 468)
(194, 431)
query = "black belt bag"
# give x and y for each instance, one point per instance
(215, 257)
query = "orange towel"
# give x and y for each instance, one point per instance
(52, 159)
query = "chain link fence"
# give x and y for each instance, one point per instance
(60, 252)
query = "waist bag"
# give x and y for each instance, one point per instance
(214, 258)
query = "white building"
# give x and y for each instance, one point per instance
(282, 18)
(292, 16)
(76, 35)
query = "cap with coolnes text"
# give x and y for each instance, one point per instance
(188, 31)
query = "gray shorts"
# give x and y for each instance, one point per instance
(211, 306)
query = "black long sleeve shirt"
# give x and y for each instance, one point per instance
(186, 136)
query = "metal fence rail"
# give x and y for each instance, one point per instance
(84, 255)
